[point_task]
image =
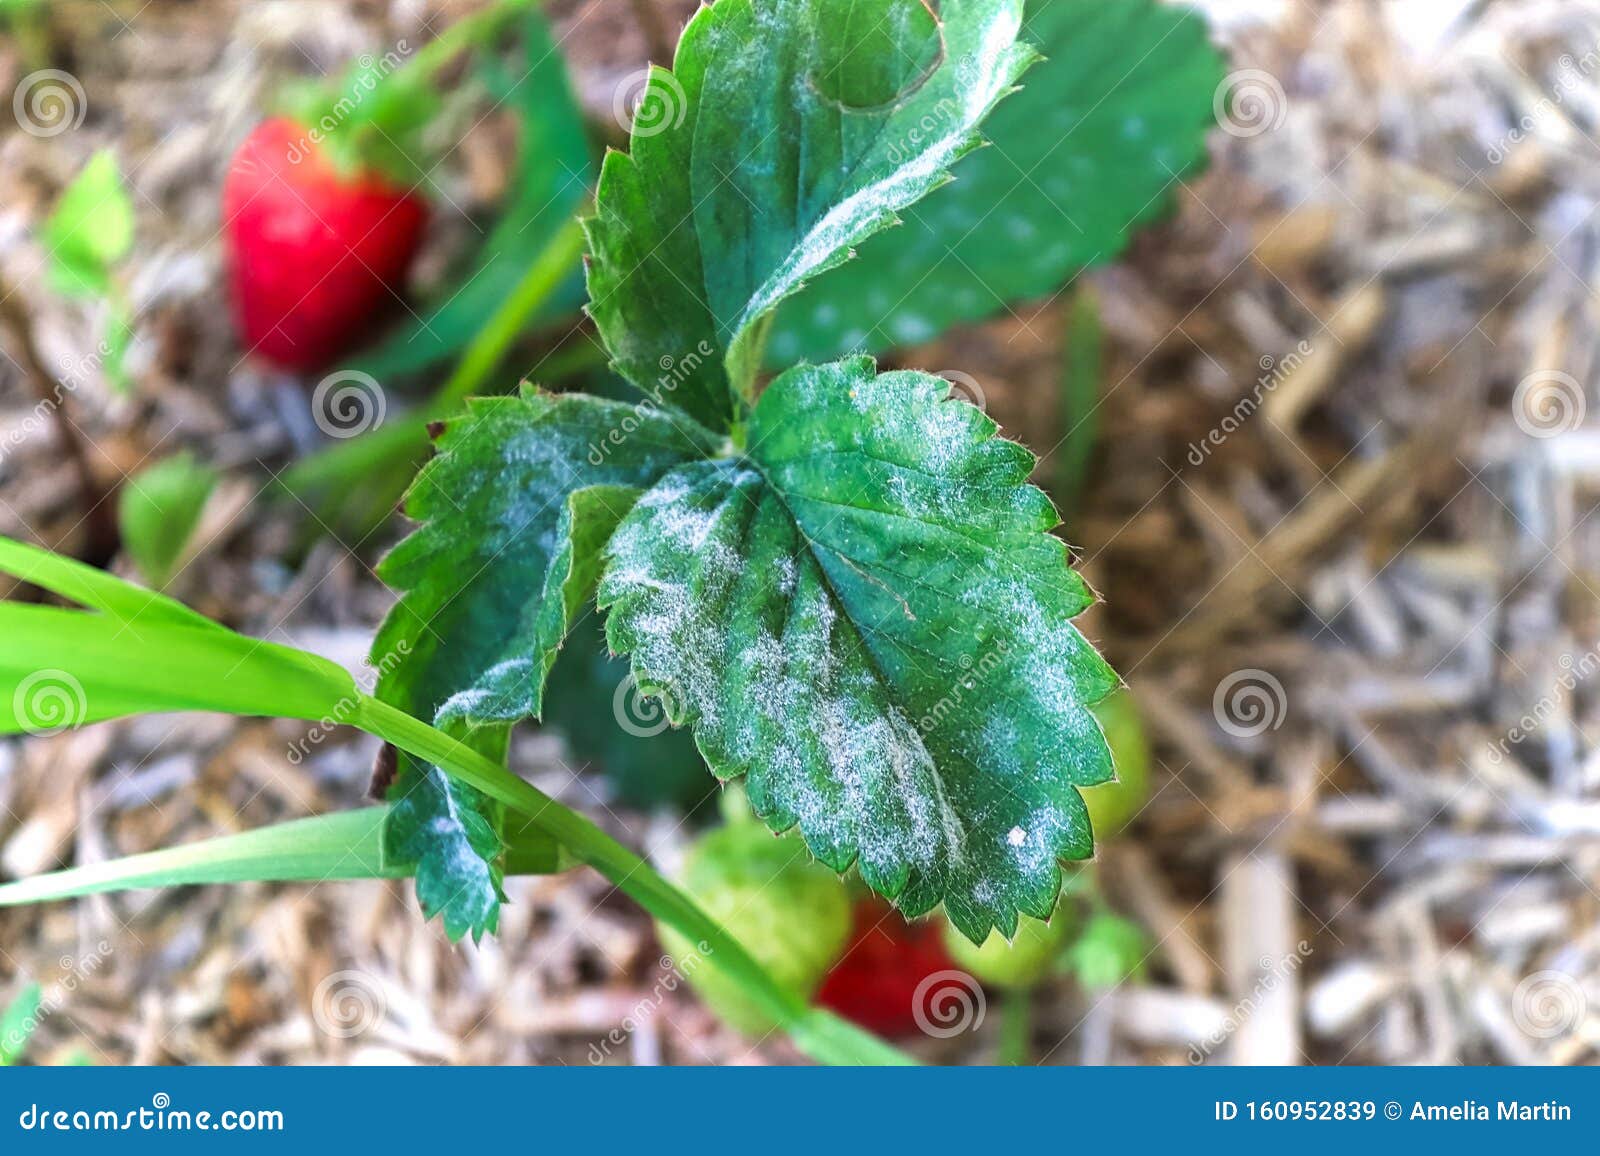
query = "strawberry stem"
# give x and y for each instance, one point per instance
(501, 331)
(467, 32)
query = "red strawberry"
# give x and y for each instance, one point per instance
(875, 982)
(316, 254)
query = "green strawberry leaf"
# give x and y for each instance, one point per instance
(1090, 150)
(158, 510)
(494, 506)
(867, 617)
(785, 134)
(492, 580)
(587, 523)
(448, 834)
(90, 229)
(608, 722)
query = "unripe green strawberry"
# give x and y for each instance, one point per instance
(1026, 959)
(1113, 805)
(788, 911)
(1110, 950)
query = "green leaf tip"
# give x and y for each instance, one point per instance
(136, 652)
(158, 511)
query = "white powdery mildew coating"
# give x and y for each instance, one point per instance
(987, 599)
(1041, 833)
(805, 716)
(1041, 642)
(884, 188)
(811, 654)
(946, 438)
(501, 693)
(871, 751)
(665, 563)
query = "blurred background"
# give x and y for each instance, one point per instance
(1320, 437)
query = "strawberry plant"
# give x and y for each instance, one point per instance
(1108, 122)
(817, 572)
(837, 579)
(158, 511)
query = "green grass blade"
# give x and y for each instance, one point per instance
(18, 1022)
(62, 668)
(70, 667)
(93, 588)
(345, 845)
(824, 1036)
